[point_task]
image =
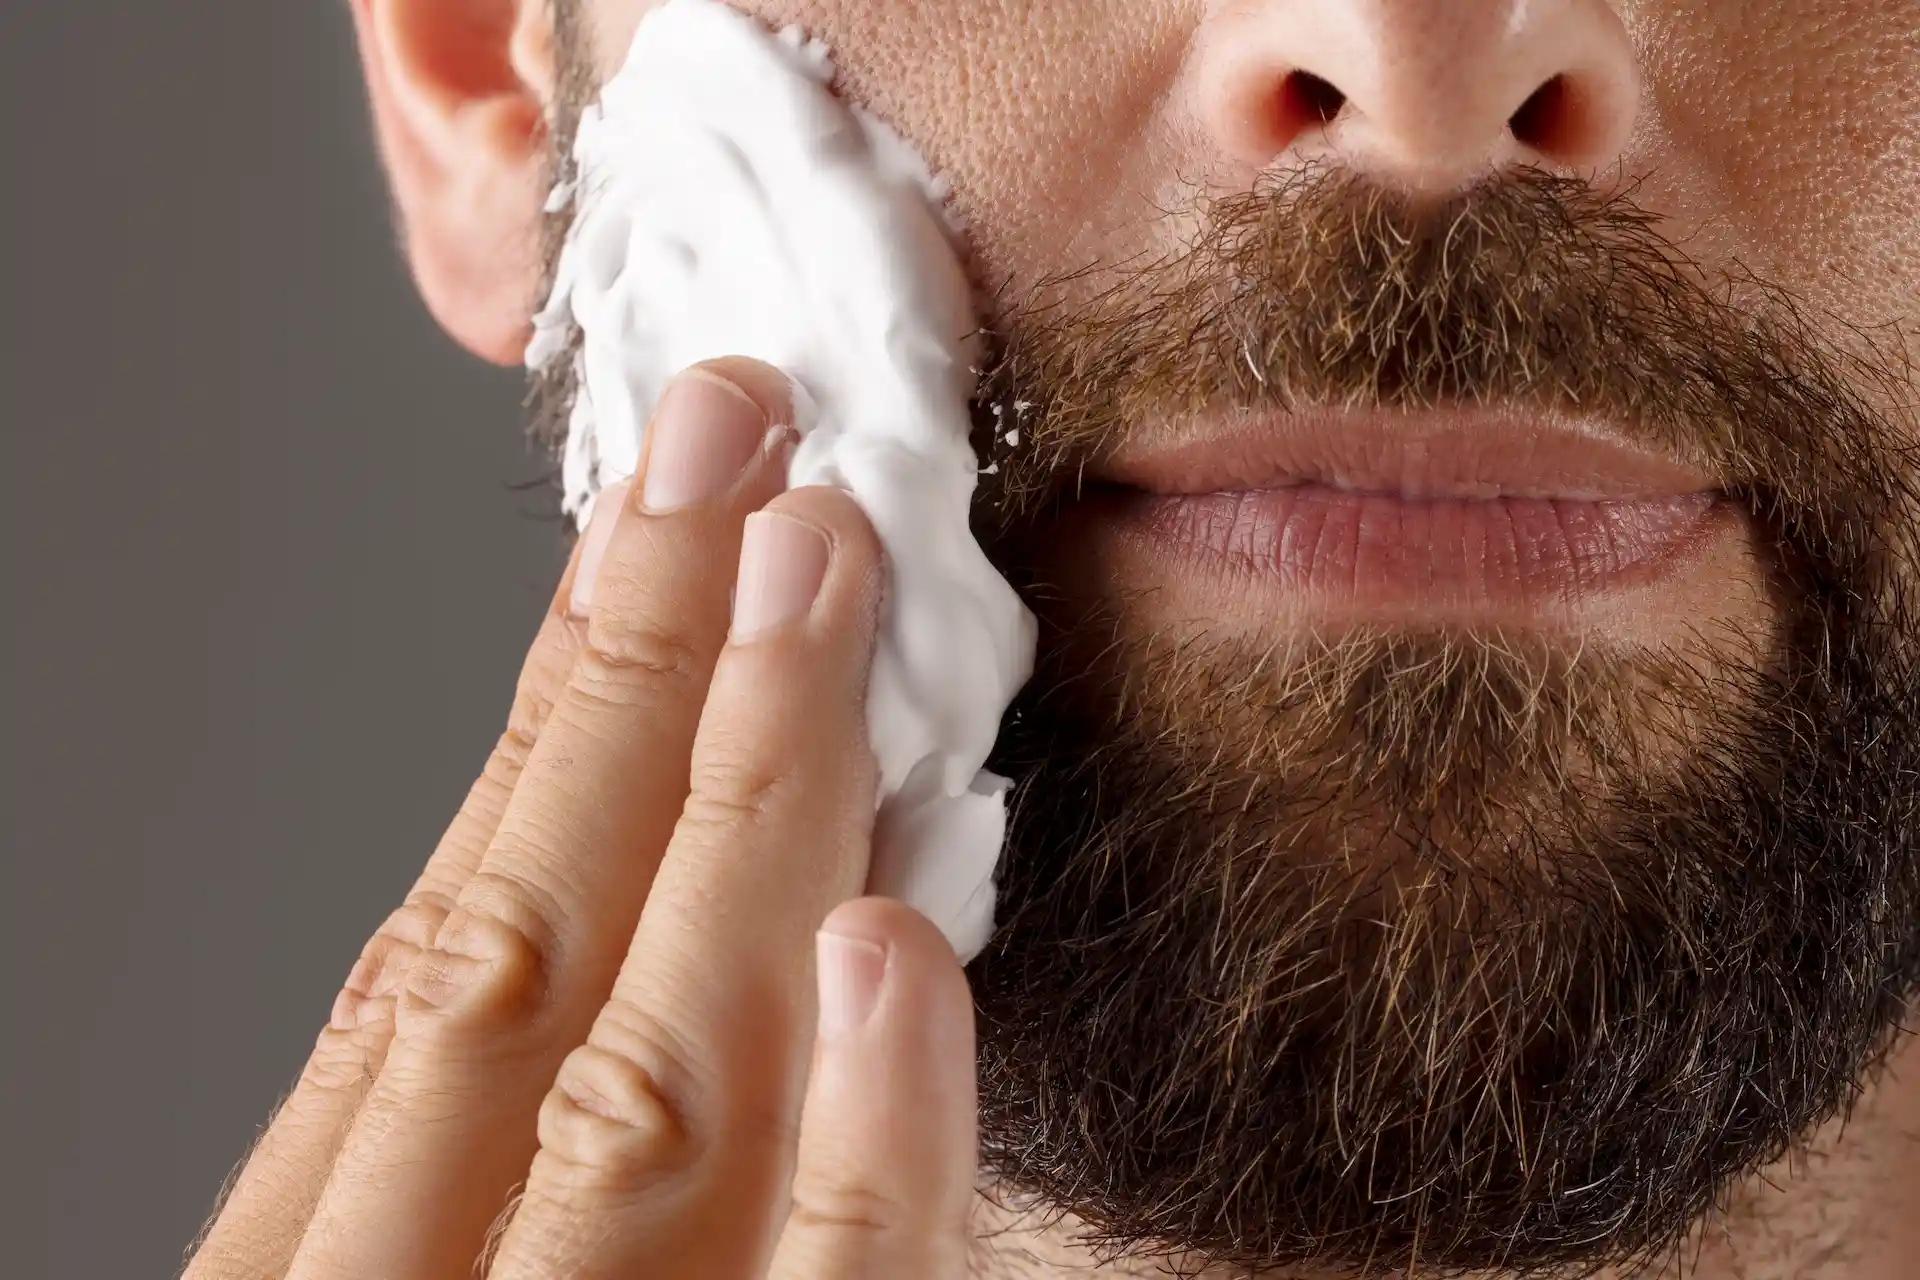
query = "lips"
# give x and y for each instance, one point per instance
(1370, 547)
(1432, 512)
(1482, 453)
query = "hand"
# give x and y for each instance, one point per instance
(597, 1006)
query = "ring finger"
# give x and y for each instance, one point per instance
(258, 1224)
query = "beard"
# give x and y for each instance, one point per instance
(1406, 949)
(1432, 950)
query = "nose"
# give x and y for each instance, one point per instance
(1427, 93)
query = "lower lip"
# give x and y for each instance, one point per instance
(1341, 547)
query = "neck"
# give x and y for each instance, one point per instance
(1843, 1206)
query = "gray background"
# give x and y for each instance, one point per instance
(266, 588)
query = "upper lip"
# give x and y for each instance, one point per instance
(1432, 455)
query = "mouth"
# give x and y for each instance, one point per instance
(1474, 513)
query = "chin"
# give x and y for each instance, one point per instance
(1447, 943)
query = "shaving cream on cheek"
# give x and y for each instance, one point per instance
(728, 203)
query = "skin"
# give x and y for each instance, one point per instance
(510, 1037)
(622, 972)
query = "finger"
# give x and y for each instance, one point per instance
(515, 974)
(889, 1145)
(258, 1225)
(669, 1134)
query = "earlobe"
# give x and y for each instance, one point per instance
(459, 90)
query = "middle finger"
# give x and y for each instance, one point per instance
(666, 1146)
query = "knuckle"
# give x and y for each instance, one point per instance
(842, 1207)
(345, 1060)
(613, 1122)
(483, 975)
(744, 772)
(547, 664)
(512, 751)
(419, 919)
(618, 654)
(533, 697)
(356, 1006)
(366, 998)
(734, 794)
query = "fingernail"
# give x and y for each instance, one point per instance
(850, 972)
(706, 430)
(593, 545)
(782, 563)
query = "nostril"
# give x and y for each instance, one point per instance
(1310, 99)
(1540, 120)
(1557, 121)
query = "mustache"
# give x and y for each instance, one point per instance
(1320, 951)
(1320, 288)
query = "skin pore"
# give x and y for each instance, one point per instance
(1728, 275)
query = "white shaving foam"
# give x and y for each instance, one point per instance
(728, 203)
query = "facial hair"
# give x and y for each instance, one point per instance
(1438, 950)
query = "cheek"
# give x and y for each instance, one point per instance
(1044, 114)
(1798, 125)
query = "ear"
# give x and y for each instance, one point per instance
(460, 90)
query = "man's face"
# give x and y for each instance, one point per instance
(1459, 455)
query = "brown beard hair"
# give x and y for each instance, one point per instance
(551, 389)
(1447, 950)
(1442, 951)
